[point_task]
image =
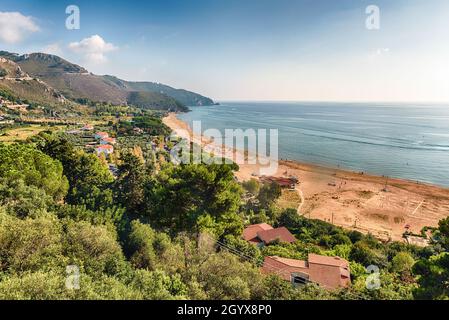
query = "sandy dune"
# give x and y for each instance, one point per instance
(354, 200)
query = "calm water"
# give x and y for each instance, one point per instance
(405, 141)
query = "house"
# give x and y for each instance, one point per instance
(101, 135)
(104, 149)
(108, 140)
(327, 272)
(263, 234)
(285, 183)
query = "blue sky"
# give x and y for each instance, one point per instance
(249, 49)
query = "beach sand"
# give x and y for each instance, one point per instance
(352, 200)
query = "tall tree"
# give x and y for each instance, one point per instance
(182, 194)
(88, 177)
(130, 183)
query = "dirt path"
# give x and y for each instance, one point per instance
(303, 200)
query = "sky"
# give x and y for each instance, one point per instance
(295, 50)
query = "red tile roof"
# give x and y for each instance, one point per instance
(102, 134)
(109, 140)
(282, 234)
(328, 261)
(105, 146)
(329, 272)
(250, 233)
(290, 262)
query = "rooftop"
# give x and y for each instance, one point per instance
(291, 262)
(108, 139)
(105, 147)
(329, 261)
(250, 232)
(282, 234)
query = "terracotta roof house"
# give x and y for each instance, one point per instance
(108, 140)
(327, 272)
(101, 135)
(263, 234)
(105, 149)
(286, 183)
(250, 233)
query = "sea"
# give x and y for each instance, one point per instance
(409, 141)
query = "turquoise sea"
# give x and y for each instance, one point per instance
(398, 140)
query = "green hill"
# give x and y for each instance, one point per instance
(159, 101)
(187, 98)
(76, 83)
(18, 86)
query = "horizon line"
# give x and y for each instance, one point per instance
(331, 101)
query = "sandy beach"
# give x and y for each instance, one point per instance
(352, 200)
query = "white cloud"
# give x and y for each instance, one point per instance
(93, 48)
(14, 27)
(53, 48)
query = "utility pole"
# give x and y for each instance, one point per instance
(386, 185)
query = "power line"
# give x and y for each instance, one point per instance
(277, 271)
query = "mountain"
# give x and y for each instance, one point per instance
(76, 83)
(17, 85)
(187, 98)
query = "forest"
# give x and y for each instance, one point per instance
(174, 232)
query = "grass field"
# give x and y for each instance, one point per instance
(289, 199)
(23, 133)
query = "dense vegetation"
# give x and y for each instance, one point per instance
(173, 233)
(154, 100)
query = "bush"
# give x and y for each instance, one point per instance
(30, 244)
(94, 248)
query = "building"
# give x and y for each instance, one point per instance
(285, 183)
(264, 234)
(327, 272)
(101, 135)
(104, 149)
(108, 140)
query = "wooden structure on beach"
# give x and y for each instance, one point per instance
(285, 183)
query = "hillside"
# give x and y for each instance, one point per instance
(187, 98)
(77, 84)
(21, 87)
(158, 101)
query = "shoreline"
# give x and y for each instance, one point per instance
(350, 199)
